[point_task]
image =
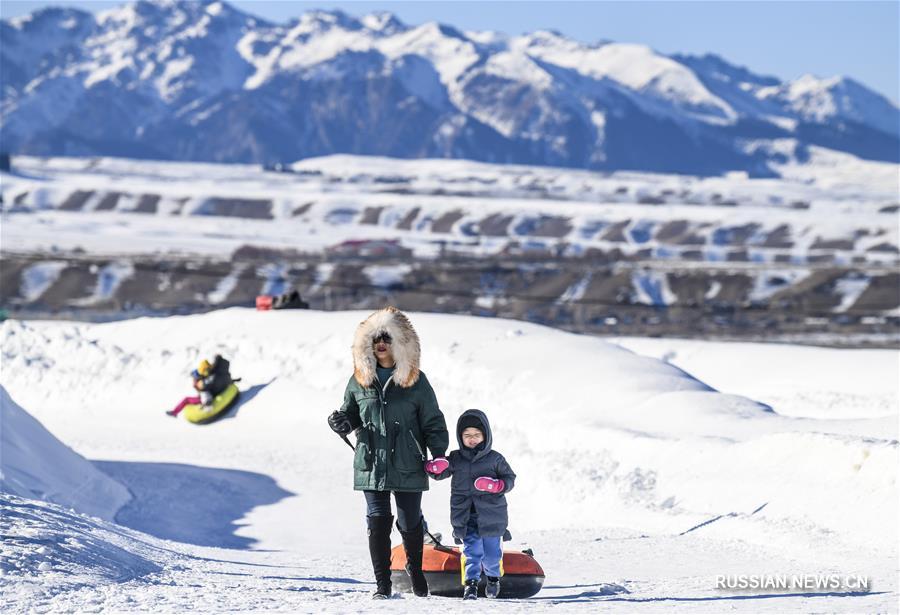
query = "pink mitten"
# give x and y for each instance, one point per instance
(436, 466)
(491, 485)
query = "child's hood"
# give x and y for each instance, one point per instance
(488, 438)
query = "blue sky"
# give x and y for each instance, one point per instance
(859, 39)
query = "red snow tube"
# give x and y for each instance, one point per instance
(264, 302)
(522, 575)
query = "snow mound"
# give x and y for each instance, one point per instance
(605, 442)
(590, 427)
(637, 481)
(35, 464)
(50, 544)
(831, 391)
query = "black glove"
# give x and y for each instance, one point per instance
(340, 422)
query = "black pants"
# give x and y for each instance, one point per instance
(409, 506)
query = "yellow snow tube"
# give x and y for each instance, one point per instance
(197, 413)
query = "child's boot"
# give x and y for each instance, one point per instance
(471, 590)
(492, 589)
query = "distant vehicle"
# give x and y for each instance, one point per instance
(281, 167)
(369, 247)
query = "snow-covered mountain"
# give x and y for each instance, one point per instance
(203, 81)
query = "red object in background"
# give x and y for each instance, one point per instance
(264, 302)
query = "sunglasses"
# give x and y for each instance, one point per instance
(384, 337)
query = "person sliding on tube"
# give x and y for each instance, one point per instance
(209, 380)
(481, 477)
(214, 378)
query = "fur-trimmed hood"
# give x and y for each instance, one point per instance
(405, 346)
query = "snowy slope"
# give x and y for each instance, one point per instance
(622, 459)
(831, 391)
(38, 466)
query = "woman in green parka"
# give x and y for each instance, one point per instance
(392, 408)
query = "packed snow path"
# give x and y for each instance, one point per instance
(638, 483)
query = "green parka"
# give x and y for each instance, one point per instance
(396, 426)
(397, 422)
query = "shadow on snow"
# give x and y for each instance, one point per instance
(605, 596)
(191, 504)
(243, 399)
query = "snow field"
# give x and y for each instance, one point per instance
(637, 479)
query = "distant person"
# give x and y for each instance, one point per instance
(289, 301)
(392, 408)
(214, 378)
(481, 477)
(195, 399)
(209, 379)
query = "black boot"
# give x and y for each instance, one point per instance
(412, 544)
(492, 589)
(380, 551)
(471, 590)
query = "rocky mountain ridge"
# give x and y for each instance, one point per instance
(203, 81)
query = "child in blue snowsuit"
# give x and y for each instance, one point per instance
(481, 477)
